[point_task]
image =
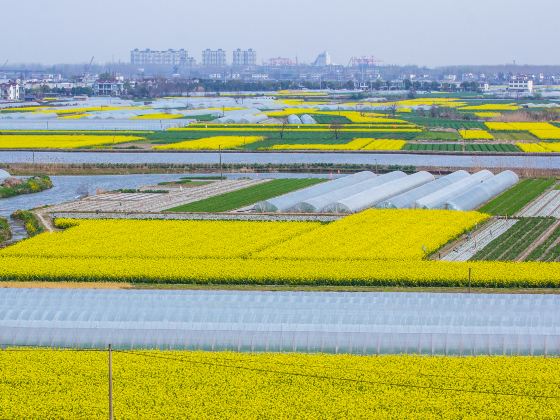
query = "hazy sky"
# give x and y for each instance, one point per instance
(424, 32)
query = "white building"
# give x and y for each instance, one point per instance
(244, 58)
(213, 58)
(108, 88)
(167, 58)
(521, 85)
(12, 91)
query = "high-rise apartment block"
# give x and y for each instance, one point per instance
(244, 57)
(169, 57)
(213, 58)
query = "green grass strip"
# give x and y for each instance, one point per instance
(246, 196)
(517, 197)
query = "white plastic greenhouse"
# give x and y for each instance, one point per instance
(316, 204)
(95, 124)
(294, 119)
(407, 200)
(3, 175)
(370, 197)
(308, 119)
(286, 201)
(438, 199)
(481, 193)
(358, 323)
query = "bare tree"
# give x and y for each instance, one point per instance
(335, 128)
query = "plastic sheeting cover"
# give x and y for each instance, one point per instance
(308, 119)
(360, 323)
(286, 201)
(294, 119)
(481, 193)
(316, 204)
(370, 197)
(407, 200)
(438, 199)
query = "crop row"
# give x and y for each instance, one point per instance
(512, 244)
(246, 196)
(514, 199)
(549, 250)
(444, 123)
(180, 384)
(455, 147)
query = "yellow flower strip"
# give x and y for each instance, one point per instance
(55, 141)
(211, 143)
(539, 147)
(62, 384)
(476, 134)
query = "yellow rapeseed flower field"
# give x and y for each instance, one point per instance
(356, 144)
(487, 114)
(224, 385)
(491, 107)
(539, 147)
(211, 143)
(61, 141)
(175, 239)
(376, 247)
(519, 126)
(379, 235)
(475, 134)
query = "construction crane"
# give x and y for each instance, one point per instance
(88, 67)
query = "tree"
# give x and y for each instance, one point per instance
(336, 129)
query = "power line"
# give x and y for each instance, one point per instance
(395, 372)
(31, 348)
(350, 380)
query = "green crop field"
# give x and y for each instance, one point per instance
(456, 147)
(430, 147)
(438, 135)
(512, 244)
(443, 123)
(330, 119)
(514, 199)
(276, 137)
(513, 135)
(241, 198)
(492, 147)
(549, 250)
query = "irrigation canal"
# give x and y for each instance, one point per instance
(403, 159)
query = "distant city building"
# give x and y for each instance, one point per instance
(520, 84)
(323, 60)
(12, 91)
(213, 58)
(168, 57)
(244, 57)
(108, 87)
(280, 62)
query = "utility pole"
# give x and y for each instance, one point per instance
(221, 170)
(110, 383)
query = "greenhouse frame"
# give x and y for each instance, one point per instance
(438, 199)
(408, 199)
(481, 193)
(372, 196)
(329, 322)
(286, 201)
